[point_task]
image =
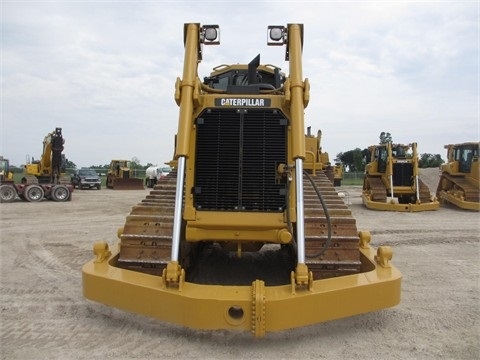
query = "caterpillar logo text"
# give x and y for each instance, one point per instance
(242, 102)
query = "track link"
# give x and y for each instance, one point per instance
(458, 184)
(342, 255)
(378, 191)
(147, 236)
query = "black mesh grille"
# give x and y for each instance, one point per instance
(402, 174)
(238, 152)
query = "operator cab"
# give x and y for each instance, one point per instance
(240, 79)
(465, 155)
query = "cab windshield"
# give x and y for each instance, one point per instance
(87, 172)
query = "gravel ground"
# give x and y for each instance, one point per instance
(44, 315)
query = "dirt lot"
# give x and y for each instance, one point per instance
(44, 315)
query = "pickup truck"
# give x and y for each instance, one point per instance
(86, 178)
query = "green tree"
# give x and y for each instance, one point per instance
(70, 164)
(430, 161)
(135, 163)
(353, 160)
(385, 137)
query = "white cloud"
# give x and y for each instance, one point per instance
(105, 71)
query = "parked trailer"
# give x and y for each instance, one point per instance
(35, 192)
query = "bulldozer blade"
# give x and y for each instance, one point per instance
(128, 184)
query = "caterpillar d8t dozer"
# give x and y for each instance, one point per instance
(459, 182)
(238, 236)
(391, 180)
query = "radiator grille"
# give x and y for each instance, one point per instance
(238, 151)
(402, 174)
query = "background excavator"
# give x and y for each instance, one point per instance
(392, 180)
(242, 234)
(44, 179)
(459, 182)
(50, 169)
(41, 180)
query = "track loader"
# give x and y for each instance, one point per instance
(459, 182)
(239, 235)
(391, 180)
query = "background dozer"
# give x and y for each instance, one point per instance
(119, 176)
(315, 158)
(240, 235)
(391, 180)
(459, 181)
(337, 173)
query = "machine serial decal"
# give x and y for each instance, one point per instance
(242, 102)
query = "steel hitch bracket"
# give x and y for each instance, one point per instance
(101, 251)
(301, 278)
(173, 276)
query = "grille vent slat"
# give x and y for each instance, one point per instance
(237, 156)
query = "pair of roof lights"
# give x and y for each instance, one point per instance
(210, 35)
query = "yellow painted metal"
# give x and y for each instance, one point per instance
(315, 158)
(460, 188)
(458, 200)
(210, 225)
(119, 176)
(297, 88)
(186, 88)
(45, 168)
(257, 308)
(395, 206)
(373, 170)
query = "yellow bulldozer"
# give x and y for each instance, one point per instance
(318, 160)
(240, 235)
(315, 158)
(119, 176)
(337, 173)
(392, 182)
(459, 182)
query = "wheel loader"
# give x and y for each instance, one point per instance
(240, 235)
(459, 182)
(119, 176)
(392, 182)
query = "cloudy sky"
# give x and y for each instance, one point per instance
(104, 71)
